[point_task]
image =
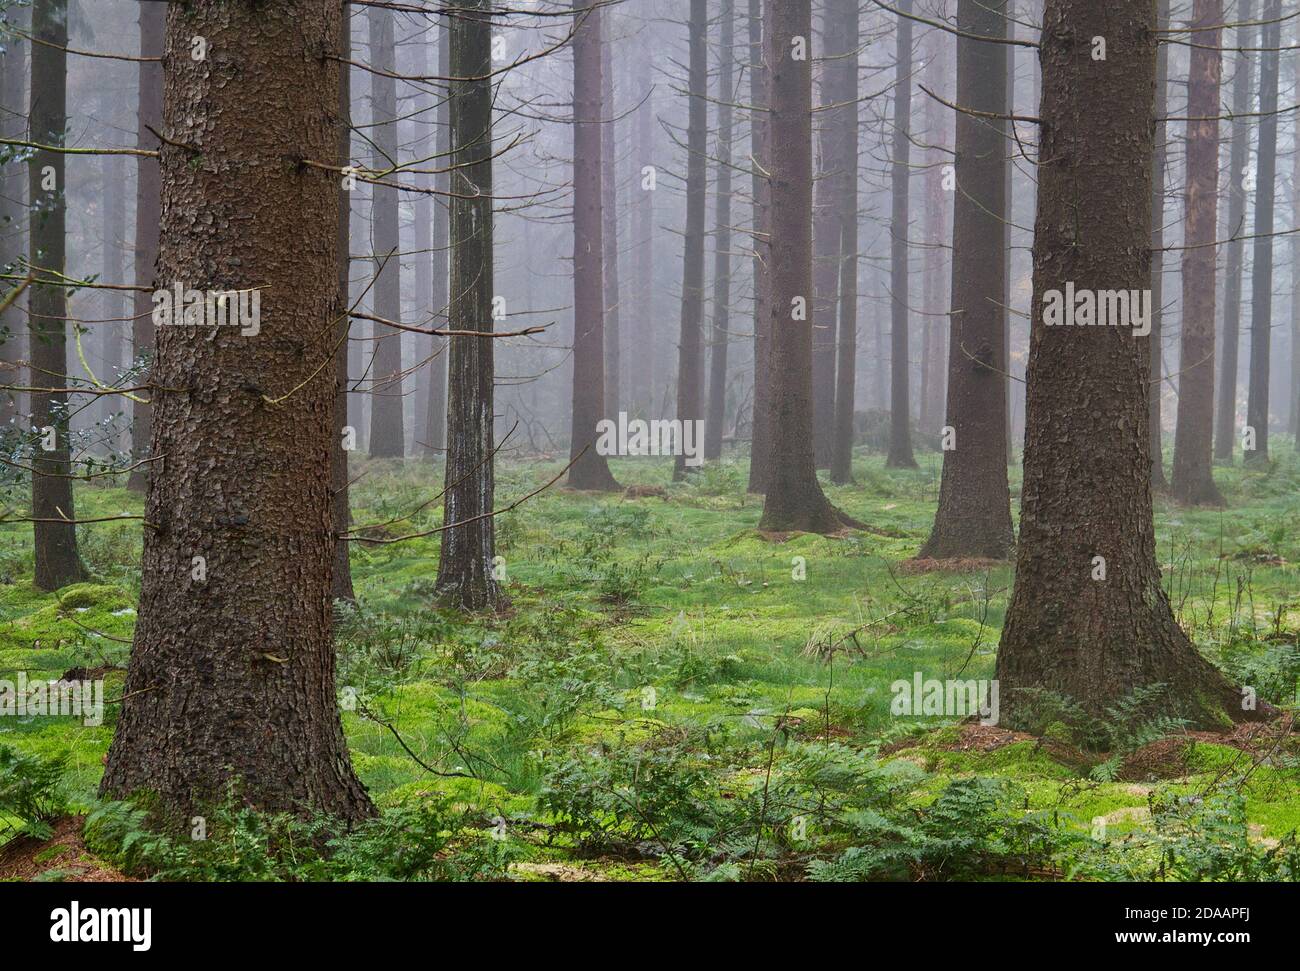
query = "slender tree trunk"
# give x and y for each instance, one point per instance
(1239, 157)
(1008, 211)
(826, 245)
(1193, 478)
(57, 560)
(107, 331)
(1294, 423)
(845, 93)
(590, 469)
(13, 221)
(1093, 630)
(760, 446)
(609, 215)
(690, 347)
(646, 319)
(974, 515)
(148, 216)
(1261, 300)
(900, 421)
(1161, 156)
(933, 363)
(436, 405)
(466, 576)
(387, 435)
(231, 678)
(422, 146)
(717, 416)
(794, 498)
(342, 578)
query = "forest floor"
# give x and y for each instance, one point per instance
(671, 694)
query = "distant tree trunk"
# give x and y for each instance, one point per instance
(645, 218)
(1008, 211)
(933, 364)
(717, 416)
(845, 93)
(341, 588)
(609, 214)
(231, 678)
(148, 216)
(1294, 423)
(387, 434)
(974, 515)
(422, 204)
(13, 222)
(690, 347)
(1193, 478)
(1239, 157)
(900, 421)
(435, 421)
(826, 245)
(57, 560)
(794, 498)
(465, 566)
(1161, 155)
(760, 446)
(108, 331)
(1089, 636)
(590, 469)
(1261, 299)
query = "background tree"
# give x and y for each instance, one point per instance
(1160, 163)
(435, 421)
(761, 234)
(717, 409)
(844, 19)
(900, 421)
(342, 581)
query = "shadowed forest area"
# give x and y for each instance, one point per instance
(649, 440)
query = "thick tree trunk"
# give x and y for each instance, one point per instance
(387, 434)
(57, 560)
(794, 498)
(465, 567)
(436, 405)
(760, 446)
(716, 420)
(13, 223)
(1261, 298)
(1193, 478)
(1225, 429)
(900, 421)
(148, 215)
(845, 93)
(231, 678)
(1161, 156)
(974, 515)
(342, 578)
(590, 469)
(1090, 629)
(690, 346)
(609, 215)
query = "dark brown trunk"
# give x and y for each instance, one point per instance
(900, 421)
(1087, 636)
(845, 93)
(716, 420)
(231, 678)
(974, 515)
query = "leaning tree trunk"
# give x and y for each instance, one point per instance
(1088, 618)
(1261, 298)
(609, 217)
(466, 577)
(690, 347)
(1193, 477)
(231, 678)
(717, 416)
(1225, 428)
(845, 118)
(974, 515)
(57, 560)
(148, 201)
(342, 582)
(435, 421)
(1161, 157)
(387, 434)
(760, 447)
(900, 423)
(794, 498)
(590, 470)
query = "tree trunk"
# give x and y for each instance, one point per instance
(465, 566)
(826, 243)
(148, 216)
(717, 416)
(900, 422)
(609, 215)
(13, 222)
(760, 445)
(387, 434)
(1161, 156)
(424, 114)
(57, 560)
(341, 588)
(231, 677)
(107, 331)
(974, 515)
(1225, 430)
(794, 498)
(646, 318)
(845, 93)
(690, 347)
(1088, 636)
(436, 404)
(1193, 478)
(1261, 298)
(1294, 423)
(590, 469)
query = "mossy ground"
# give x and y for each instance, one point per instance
(636, 623)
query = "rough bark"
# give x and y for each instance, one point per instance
(974, 515)
(465, 563)
(845, 93)
(1193, 477)
(1087, 485)
(717, 415)
(57, 560)
(900, 422)
(231, 677)
(760, 446)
